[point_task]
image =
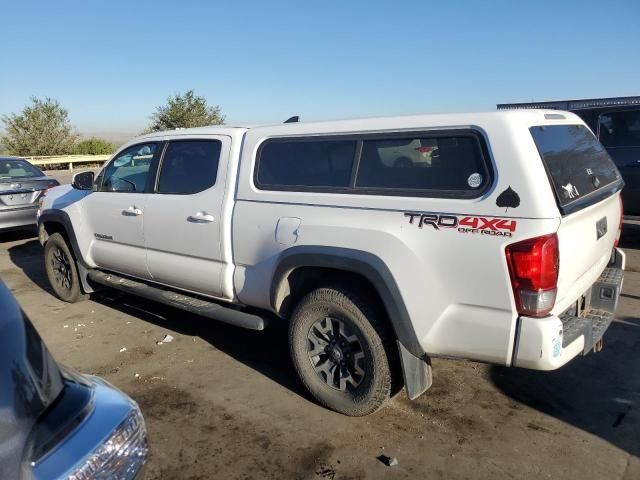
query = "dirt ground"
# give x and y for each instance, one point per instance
(225, 403)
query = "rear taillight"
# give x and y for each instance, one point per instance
(617, 240)
(49, 187)
(533, 267)
(44, 192)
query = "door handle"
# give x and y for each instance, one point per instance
(132, 211)
(200, 217)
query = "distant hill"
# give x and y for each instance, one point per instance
(117, 138)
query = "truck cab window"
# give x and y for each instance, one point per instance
(129, 170)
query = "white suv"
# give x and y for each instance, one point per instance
(494, 240)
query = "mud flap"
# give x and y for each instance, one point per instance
(416, 372)
(83, 273)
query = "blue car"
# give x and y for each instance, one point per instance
(56, 423)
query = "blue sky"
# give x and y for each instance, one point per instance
(110, 63)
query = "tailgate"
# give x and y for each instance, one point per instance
(586, 183)
(586, 239)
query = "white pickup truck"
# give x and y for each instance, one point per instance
(487, 236)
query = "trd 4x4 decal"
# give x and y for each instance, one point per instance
(433, 219)
(499, 227)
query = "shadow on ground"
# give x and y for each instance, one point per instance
(598, 393)
(28, 256)
(19, 234)
(265, 351)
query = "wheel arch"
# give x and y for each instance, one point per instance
(56, 221)
(51, 222)
(287, 284)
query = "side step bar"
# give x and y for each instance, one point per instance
(182, 301)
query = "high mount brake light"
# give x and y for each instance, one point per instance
(533, 267)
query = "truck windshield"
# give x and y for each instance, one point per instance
(576, 162)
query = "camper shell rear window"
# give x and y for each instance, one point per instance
(579, 168)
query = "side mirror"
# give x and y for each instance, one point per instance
(83, 181)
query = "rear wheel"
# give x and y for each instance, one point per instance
(341, 348)
(61, 269)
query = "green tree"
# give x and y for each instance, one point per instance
(185, 111)
(42, 128)
(93, 146)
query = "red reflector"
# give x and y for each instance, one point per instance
(533, 267)
(617, 240)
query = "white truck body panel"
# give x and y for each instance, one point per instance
(454, 285)
(182, 250)
(588, 255)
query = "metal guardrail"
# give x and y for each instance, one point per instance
(69, 160)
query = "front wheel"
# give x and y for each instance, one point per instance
(61, 269)
(341, 349)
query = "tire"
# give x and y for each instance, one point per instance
(62, 270)
(342, 350)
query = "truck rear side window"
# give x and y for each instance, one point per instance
(422, 163)
(577, 164)
(306, 163)
(429, 164)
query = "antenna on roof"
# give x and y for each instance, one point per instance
(294, 119)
